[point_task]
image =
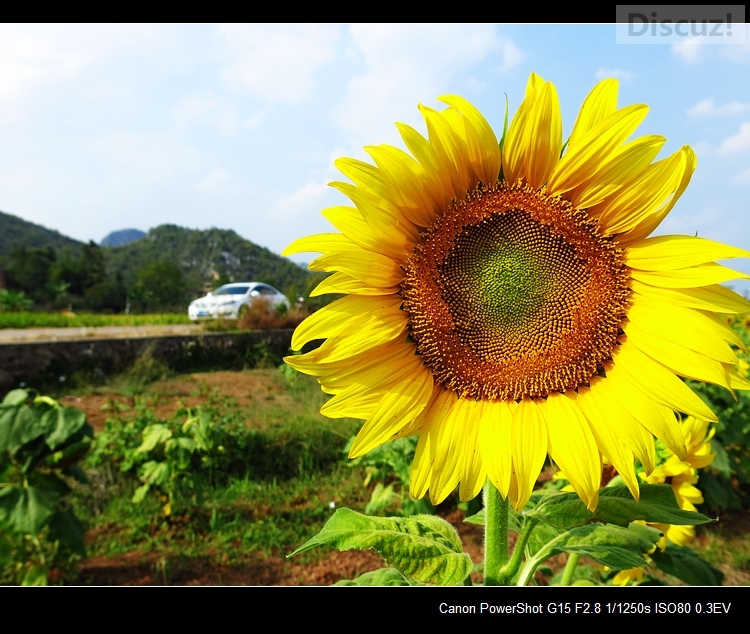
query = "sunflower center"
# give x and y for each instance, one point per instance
(512, 293)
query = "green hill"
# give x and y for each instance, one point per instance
(16, 233)
(205, 256)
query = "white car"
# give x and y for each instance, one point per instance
(227, 301)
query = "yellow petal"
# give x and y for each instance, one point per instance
(473, 469)
(650, 191)
(449, 447)
(534, 140)
(572, 446)
(495, 443)
(700, 275)
(664, 253)
(681, 326)
(425, 456)
(483, 148)
(649, 223)
(344, 283)
(604, 425)
(372, 269)
(400, 405)
(450, 152)
(712, 297)
(598, 105)
(345, 315)
(616, 171)
(320, 243)
(349, 221)
(607, 401)
(582, 161)
(529, 442)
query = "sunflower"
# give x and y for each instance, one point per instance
(504, 301)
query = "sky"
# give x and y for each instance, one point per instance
(237, 126)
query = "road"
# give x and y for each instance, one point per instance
(21, 335)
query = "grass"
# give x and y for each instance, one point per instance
(86, 320)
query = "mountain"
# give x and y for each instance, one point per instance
(16, 233)
(207, 255)
(121, 237)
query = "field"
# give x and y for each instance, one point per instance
(86, 320)
(278, 476)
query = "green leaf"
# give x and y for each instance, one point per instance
(686, 565)
(614, 546)
(382, 577)
(154, 435)
(423, 547)
(18, 425)
(49, 482)
(35, 576)
(140, 493)
(67, 529)
(422, 506)
(182, 449)
(61, 423)
(616, 506)
(6, 551)
(14, 398)
(153, 472)
(27, 509)
(381, 498)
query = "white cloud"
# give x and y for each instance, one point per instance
(406, 64)
(35, 55)
(302, 202)
(707, 108)
(617, 73)
(152, 157)
(277, 62)
(737, 142)
(212, 180)
(194, 108)
(253, 120)
(743, 178)
(688, 48)
(737, 52)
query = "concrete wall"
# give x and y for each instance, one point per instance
(39, 363)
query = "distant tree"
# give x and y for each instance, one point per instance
(159, 286)
(108, 296)
(81, 273)
(29, 271)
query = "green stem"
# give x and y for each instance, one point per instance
(495, 535)
(569, 569)
(511, 568)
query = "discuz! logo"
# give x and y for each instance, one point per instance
(669, 23)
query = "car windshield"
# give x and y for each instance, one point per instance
(231, 290)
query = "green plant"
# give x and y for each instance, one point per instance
(41, 443)
(176, 458)
(14, 301)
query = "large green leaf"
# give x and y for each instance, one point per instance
(67, 529)
(27, 509)
(382, 577)
(616, 506)
(35, 576)
(686, 565)
(18, 425)
(61, 423)
(14, 398)
(423, 547)
(154, 435)
(614, 546)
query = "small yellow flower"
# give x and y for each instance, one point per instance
(628, 577)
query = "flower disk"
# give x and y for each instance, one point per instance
(512, 293)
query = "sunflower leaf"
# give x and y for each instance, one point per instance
(382, 577)
(687, 566)
(616, 506)
(614, 546)
(424, 548)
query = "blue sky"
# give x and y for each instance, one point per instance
(105, 128)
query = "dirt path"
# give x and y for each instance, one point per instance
(21, 335)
